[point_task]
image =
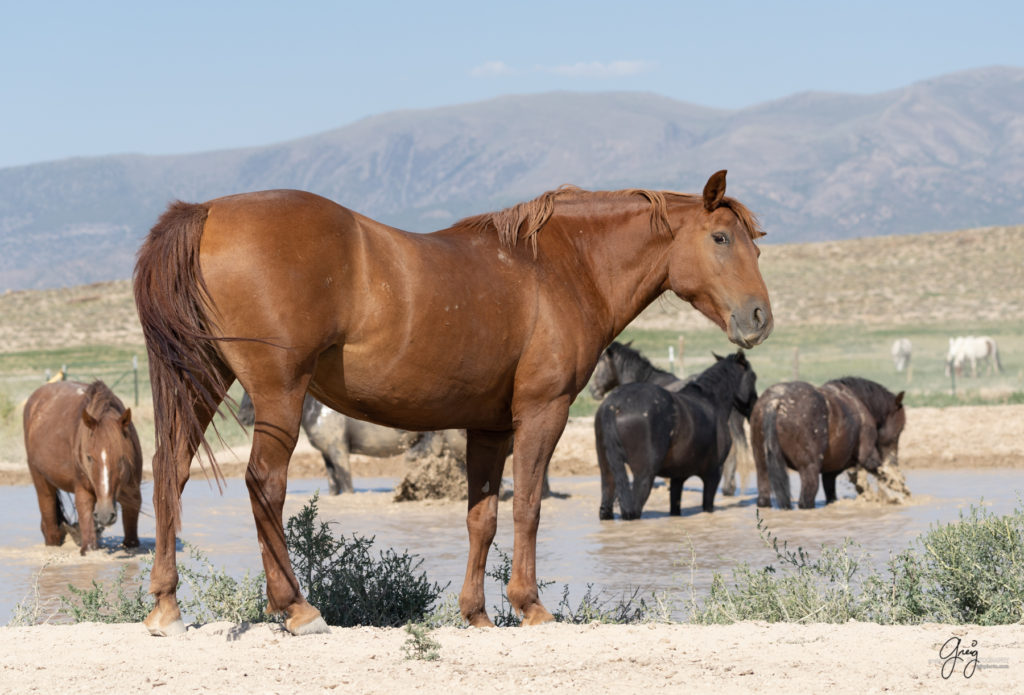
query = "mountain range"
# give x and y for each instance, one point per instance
(942, 154)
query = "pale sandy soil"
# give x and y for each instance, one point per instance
(743, 658)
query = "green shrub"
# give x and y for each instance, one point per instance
(420, 645)
(100, 604)
(216, 595)
(966, 572)
(349, 586)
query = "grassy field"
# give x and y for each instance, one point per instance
(838, 307)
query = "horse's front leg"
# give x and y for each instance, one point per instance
(828, 483)
(537, 432)
(485, 462)
(274, 438)
(85, 502)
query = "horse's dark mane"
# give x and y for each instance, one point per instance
(878, 399)
(630, 360)
(99, 398)
(709, 382)
(524, 220)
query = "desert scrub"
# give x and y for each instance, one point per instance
(420, 645)
(970, 571)
(350, 587)
(967, 572)
(101, 604)
(216, 595)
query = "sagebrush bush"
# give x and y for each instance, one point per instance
(349, 585)
(966, 572)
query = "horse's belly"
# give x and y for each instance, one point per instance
(410, 396)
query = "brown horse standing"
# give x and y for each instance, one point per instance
(80, 438)
(821, 431)
(493, 326)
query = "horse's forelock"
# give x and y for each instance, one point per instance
(99, 398)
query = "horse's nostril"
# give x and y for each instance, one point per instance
(759, 319)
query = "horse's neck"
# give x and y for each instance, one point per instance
(636, 252)
(718, 387)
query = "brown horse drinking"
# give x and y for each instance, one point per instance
(493, 326)
(80, 438)
(821, 431)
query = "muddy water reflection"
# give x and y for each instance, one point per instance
(574, 547)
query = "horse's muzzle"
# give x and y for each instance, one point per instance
(104, 516)
(751, 325)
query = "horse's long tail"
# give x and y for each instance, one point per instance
(184, 369)
(773, 459)
(615, 454)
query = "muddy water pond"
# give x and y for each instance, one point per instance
(574, 547)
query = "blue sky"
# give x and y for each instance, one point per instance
(93, 78)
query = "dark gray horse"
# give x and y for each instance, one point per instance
(670, 434)
(335, 436)
(621, 364)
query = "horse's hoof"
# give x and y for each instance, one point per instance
(175, 627)
(304, 619)
(317, 626)
(131, 543)
(605, 516)
(537, 615)
(480, 620)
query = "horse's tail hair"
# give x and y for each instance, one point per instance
(773, 459)
(184, 368)
(615, 454)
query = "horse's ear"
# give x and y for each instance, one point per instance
(628, 344)
(88, 419)
(899, 399)
(718, 358)
(126, 419)
(714, 191)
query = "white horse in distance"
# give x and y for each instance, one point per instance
(901, 350)
(973, 349)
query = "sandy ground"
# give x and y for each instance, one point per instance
(747, 657)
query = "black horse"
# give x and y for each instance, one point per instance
(621, 364)
(669, 434)
(821, 431)
(335, 436)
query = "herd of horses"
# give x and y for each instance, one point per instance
(963, 350)
(490, 327)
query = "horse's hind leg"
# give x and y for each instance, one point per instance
(49, 510)
(828, 482)
(675, 496)
(485, 462)
(165, 618)
(809, 485)
(278, 415)
(711, 481)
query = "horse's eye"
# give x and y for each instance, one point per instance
(721, 238)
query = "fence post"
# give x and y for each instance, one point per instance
(672, 359)
(135, 372)
(681, 344)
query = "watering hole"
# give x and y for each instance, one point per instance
(574, 548)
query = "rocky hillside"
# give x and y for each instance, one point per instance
(946, 153)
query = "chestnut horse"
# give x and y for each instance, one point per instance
(822, 431)
(493, 326)
(80, 438)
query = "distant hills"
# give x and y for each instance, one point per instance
(942, 154)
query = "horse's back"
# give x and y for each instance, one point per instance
(50, 418)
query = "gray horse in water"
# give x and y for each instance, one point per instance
(621, 364)
(335, 436)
